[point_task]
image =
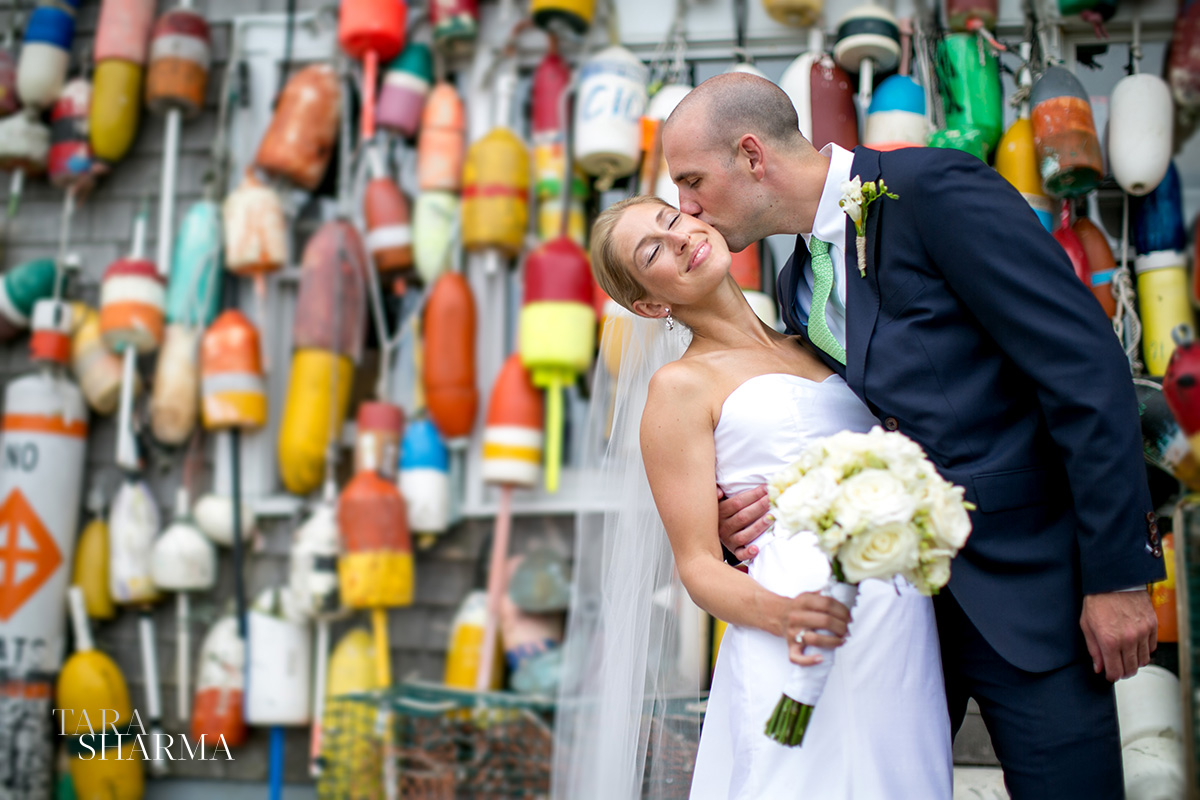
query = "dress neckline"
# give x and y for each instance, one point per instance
(753, 378)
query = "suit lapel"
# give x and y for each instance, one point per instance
(862, 293)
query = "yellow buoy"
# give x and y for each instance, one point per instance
(495, 205)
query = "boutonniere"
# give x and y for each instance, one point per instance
(856, 198)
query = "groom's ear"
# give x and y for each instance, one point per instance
(751, 149)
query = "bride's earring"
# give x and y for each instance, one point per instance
(670, 321)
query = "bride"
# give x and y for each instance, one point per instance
(735, 400)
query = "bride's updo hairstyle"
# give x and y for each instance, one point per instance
(612, 269)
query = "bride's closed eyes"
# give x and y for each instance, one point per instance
(653, 253)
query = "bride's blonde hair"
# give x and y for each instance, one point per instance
(610, 267)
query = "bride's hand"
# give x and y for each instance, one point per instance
(742, 519)
(804, 616)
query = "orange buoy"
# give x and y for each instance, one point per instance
(299, 141)
(449, 360)
(233, 392)
(180, 56)
(1100, 260)
(389, 229)
(370, 30)
(441, 143)
(746, 268)
(512, 438)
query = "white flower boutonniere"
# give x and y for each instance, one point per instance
(856, 198)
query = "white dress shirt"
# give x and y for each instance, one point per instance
(830, 227)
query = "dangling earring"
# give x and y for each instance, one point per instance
(670, 321)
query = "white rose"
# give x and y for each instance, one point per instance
(880, 553)
(932, 575)
(807, 500)
(948, 519)
(872, 498)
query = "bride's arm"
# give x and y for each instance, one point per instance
(680, 458)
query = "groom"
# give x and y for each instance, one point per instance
(970, 333)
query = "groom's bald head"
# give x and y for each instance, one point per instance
(722, 109)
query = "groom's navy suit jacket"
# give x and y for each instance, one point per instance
(971, 333)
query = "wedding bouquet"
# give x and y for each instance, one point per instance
(879, 509)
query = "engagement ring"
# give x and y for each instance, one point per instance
(800, 636)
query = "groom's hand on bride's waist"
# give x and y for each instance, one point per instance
(741, 519)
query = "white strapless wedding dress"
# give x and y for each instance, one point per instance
(881, 730)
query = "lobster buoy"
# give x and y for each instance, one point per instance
(70, 157)
(435, 219)
(1065, 235)
(1181, 386)
(1065, 134)
(660, 107)
(179, 60)
(42, 68)
(405, 87)
(377, 441)
(132, 297)
(794, 13)
(92, 687)
(95, 367)
(550, 81)
(512, 438)
(968, 15)
(91, 561)
(1161, 267)
(20, 290)
(24, 143)
(217, 708)
(1100, 260)
(573, 15)
(255, 230)
(371, 31)
(441, 145)
(174, 398)
(133, 524)
(969, 80)
(1140, 122)
(425, 478)
(1016, 160)
(122, 42)
(495, 207)
(1183, 60)
(328, 337)
(312, 571)
(389, 230)
(300, 138)
(214, 517)
(192, 288)
(279, 667)
(823, 97)
(464, 654)
(610, 102)
(897, 115)
(557, 332)
(449, 359)
(868, 39)
(233, 389)
(454, 21)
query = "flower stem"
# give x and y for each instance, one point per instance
(788, 722)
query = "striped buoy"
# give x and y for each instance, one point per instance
(179, 60)
(70, 157)
(45, 53)
(389, 230)
(405, 87)
(132, 296)
(425, 478)
(234, 394)
(495, 210)
(512, 438)
(1064, 133)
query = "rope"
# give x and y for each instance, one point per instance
(1126, 324)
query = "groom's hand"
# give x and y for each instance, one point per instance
(1121, 632)
(742, 519)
